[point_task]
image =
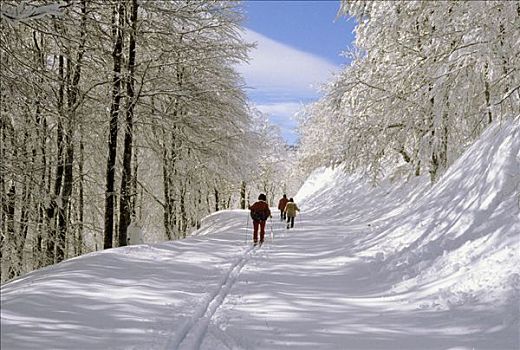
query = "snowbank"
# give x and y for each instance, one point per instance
(452, 243)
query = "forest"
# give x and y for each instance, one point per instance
(124, 114)
(426, 78)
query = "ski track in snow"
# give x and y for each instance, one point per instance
(193, 332)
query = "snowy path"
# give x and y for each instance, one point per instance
(195, 330)
(304, 290)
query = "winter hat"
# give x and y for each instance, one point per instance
(262, 197)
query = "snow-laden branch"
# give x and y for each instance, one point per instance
(25, 11)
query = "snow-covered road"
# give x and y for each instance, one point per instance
(302, 290)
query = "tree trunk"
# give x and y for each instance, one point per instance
(117, 34)
(41, 137)
(167, 203)
(443, 151)
(24, 223)
(125, 207)
(134, 189)
(11, 236)
(168, 213)
(3, 189)
(487, 93)
(434, 160)
(243, 195)
(9, 207)
(217, 199)
(63, 212)
(73, 79)
(183, 222)
(53, 206)
(81, 199)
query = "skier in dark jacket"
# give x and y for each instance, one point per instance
(281, 206)
(259, 213)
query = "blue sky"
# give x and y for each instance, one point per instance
(299, 45)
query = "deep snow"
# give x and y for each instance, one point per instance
(407, 266)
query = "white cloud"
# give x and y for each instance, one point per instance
(278, 67)
(282, 109)
(283, 115)
(283, 79)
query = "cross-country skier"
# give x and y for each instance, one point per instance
(259, 213)
(281, 205)
(290, 209)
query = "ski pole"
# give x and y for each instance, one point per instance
(247, 227)
(271, 221)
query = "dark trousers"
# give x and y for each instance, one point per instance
(282, 215)
(290, 221)
(257, 224)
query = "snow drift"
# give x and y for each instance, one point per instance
(452, 243)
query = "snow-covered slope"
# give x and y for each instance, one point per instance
(408, 266)
(456, 242)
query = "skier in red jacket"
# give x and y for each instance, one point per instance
(259, 213)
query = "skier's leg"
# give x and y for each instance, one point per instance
(262, 231)
(255, 231)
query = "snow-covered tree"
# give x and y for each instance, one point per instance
(425, 79)
(118, 113)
